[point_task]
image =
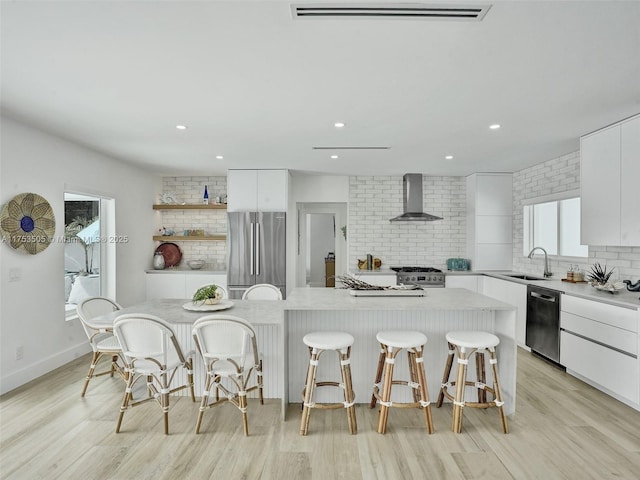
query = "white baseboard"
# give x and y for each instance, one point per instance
(25, 375)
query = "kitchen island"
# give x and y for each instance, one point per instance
(439, 311)
(280, 326)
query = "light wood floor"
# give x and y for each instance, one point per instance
(562, 429)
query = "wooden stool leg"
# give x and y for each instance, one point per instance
(387, 382)
(496, 386)
(125, 400)
(92, 367)
(461, 380)
(418, 363)
(204, 401)
(446, 374)
(481, 376)
(308, 391)
(242, 401)
(379, 371)
(164, 401)
(345, 370)
(413, 373)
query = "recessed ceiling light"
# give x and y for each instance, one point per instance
(495, 126)
(181, 127)
(449, 157)
(338, 124)
(335, 157)
(219, 157)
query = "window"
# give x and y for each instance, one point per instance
(555, 226)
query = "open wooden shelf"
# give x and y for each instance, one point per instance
(192, 238)
(211, 206)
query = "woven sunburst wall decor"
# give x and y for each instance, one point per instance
(27, 223)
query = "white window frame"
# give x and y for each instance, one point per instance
(528, 222)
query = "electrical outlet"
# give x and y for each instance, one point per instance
(19, 352)
(15, 274)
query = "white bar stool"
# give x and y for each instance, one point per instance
(318, 342)
(391, 343)
(464, 345)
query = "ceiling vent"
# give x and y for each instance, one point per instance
(424, 11)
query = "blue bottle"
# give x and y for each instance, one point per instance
(206, 196)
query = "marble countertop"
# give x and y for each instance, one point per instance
(434, 299)
(622, 298)
(258, 312)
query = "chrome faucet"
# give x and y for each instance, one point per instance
(547, 273)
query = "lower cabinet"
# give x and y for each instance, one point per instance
(180, 285)
(514, 294)
(613, 370)
(599, 342)
(470, 282)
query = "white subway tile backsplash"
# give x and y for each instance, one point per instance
(374, 200)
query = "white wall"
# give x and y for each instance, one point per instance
(32, 309)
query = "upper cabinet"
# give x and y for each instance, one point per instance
(609, 173)
(257, 190)
(490, 221)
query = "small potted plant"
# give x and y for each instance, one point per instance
(207, 295)
(600, 279)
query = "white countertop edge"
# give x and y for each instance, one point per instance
(623, 298)
(187, 270)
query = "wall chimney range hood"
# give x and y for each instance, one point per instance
(412, 200)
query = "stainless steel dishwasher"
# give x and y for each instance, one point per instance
(543, 322)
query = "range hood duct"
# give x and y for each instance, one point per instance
(412, 200)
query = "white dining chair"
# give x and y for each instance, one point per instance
(151, 351)
(262, 291)
(229, 351)
(101, 337)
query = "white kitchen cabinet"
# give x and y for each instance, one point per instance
(629, 178)
(180, 285)
(609, 194)
(490, 221)
(257, 190)
(599, 344)
(470, 282)
(513, 293)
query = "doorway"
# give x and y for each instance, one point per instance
(89, 250)
(322, 243)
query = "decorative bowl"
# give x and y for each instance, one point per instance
(195, 264)
(608, 287)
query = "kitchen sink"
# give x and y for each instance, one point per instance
(522, 276)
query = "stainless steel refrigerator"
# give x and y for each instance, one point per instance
(256, 251)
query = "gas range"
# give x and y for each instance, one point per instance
(426, 277)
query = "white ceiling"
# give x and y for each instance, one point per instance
(261, 88)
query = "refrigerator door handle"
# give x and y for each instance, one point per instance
(257, 249)
(252, 249)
